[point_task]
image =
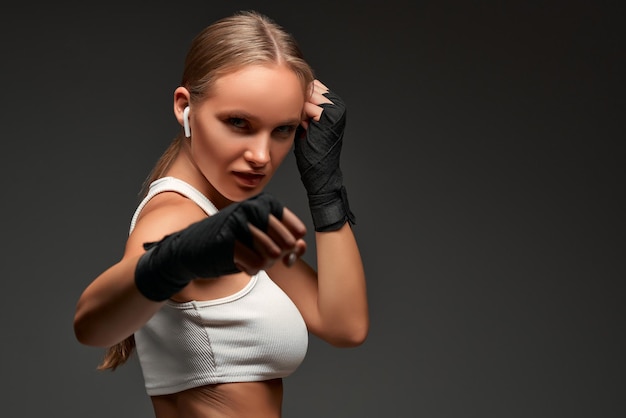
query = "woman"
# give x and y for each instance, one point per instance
(211, 289)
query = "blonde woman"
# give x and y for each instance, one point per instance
(211, 291)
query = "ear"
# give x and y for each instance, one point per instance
(181, 101)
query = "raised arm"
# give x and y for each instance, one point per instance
(333, 299)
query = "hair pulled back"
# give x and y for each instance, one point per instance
(244, 38)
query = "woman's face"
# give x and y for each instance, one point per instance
(242, 132)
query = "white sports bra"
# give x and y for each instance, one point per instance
(252, 335)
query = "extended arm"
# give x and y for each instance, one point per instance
(245, 236)
(111, 307)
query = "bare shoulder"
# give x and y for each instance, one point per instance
(164, 214)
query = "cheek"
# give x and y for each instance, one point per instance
(212, 144)
(204, 150)
(211, 158)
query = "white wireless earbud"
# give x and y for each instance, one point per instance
(186, 122)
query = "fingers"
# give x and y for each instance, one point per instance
(319, 86)
(312, 110)
(283, 239)
(247, 260)
(251, 261)
(293, 256)
(284, 233)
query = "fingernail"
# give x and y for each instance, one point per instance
(291, 259)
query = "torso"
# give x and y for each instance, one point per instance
(261, 398)
(228, 400)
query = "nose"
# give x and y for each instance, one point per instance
(257, 151)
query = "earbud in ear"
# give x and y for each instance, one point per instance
(186, 122)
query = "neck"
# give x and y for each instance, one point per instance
(185, 168)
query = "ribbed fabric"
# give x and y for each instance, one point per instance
(254, 334)
(172, 184)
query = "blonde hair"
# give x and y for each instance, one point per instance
(244, 38)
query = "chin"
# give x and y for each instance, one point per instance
(242, 194)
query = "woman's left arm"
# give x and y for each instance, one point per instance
(333, 300)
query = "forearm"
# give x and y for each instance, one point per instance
(342, 295)
(111, 308)
(124, 297)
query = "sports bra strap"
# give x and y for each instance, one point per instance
(172, 184)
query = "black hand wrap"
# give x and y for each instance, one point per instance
(317, 157)
(204, 249)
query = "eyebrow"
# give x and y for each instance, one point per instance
(245, 115)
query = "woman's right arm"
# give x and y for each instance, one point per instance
(112, 308)
(125, 296)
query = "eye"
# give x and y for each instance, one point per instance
(286, 130)
(237, 123)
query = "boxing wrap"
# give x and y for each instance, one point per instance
(317, 156)
(204, 249)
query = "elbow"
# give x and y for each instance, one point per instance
(86, 336)
(82, 332)
(86, 333)
(82, 336)
(350, 337)
(85, 324)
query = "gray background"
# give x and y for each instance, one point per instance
(484, 159)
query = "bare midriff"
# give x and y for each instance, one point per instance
(226, 400)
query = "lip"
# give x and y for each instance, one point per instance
(249, 179)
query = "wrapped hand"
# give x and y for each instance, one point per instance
(244, 236)
(318, 151)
